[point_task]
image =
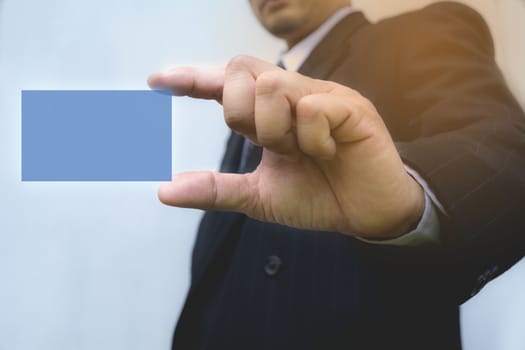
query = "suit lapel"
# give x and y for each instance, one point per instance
(334, 48)
(232, 157)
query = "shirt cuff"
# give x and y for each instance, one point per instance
(427, 230)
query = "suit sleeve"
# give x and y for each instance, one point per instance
(466, 138)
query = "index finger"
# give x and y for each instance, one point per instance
(205, 83)
(239, 97)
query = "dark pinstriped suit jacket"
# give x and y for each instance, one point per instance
(431, 74)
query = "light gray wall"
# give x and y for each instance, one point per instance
(104, 265)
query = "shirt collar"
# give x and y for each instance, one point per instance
(295, 57)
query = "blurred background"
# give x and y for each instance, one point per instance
(105, 265)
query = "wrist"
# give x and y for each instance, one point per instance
(412, 210)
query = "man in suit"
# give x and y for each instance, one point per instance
(362, 198)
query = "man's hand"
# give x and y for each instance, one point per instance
(328, 162)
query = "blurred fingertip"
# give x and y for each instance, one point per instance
(154, 80)
(161, 193)
(165, 192)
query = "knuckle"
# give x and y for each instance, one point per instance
(239, 62)
(365, 106)
(241, 123)
(366, 103)
(360, 100)
(235, 118)
(269, 82)
(267, 137)
(308, 107)
(232, 119)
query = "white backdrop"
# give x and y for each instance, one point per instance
(104, 265)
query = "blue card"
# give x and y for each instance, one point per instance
(96, 135)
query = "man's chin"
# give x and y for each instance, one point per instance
(283, 27)
(281, 30)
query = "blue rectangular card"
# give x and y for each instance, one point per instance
(96, 135)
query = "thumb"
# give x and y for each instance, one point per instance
(208, 191)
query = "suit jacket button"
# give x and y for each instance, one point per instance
(483, 280)
(273, 265)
